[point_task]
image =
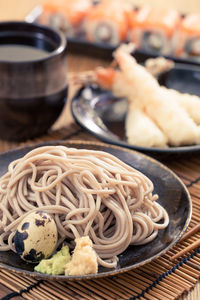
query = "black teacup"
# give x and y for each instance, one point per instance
(33, 79)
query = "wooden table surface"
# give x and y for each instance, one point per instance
(18, 9)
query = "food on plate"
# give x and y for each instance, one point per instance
(158, 65)
(107, 22)
(68, 16)
(88, 193)
(156, 30)
(36, 235)
(153, 29)
(82, 262)
(56, 264)
(142, 131)
(84, 258)
(167, 116)
(190, 103)
(188, 37)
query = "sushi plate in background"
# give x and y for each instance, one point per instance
(78, 42)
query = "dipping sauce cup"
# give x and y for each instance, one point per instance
(33, 79)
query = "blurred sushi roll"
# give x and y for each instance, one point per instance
(188, 40)
(153, 29)
(107, 22)
(65, 15)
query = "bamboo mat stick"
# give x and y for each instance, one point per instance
(79, 294)
(137, 283)
(185, 244)
(143, 273)
(118, 290)
(180, 281)
(135, 288)
(134, 275)
(26, 281)
(150, 297)
(140, 284)
(153, 270)
(28, 297)
(102, 292)
(53, 291)
(90, 290)
(166, 291)
(168, 287)
(194, 269)
(82, 290)
(106, 289)
(10, 284)
(163, 262)
(64, 291)
(156, 294)
(171, 284)
(132, 287)
(185, 250)
(15, 276)
(186, 276)
(39, 295)
(160, 267)
(161, 294)
(190, 271)
(194, 264)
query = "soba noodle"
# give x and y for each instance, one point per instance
(88, 193)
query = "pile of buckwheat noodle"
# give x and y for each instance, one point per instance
(88, 193)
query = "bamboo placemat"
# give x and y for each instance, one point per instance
(160, 279)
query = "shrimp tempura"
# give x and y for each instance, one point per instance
(142, 131)
(156, 116)
(190, 103)
(158, 104)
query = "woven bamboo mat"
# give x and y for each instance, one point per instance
(160, 279)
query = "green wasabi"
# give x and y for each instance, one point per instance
(56, 264)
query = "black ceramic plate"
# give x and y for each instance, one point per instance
(173, 195)
(183, 77)
(80, 45)
(103, 115)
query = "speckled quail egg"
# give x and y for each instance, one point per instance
(36, 237)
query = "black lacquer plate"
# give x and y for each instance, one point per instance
(183, 77)
(173, 195)
(80, 45)
(103, 115)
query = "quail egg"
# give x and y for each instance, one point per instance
(36, 237)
